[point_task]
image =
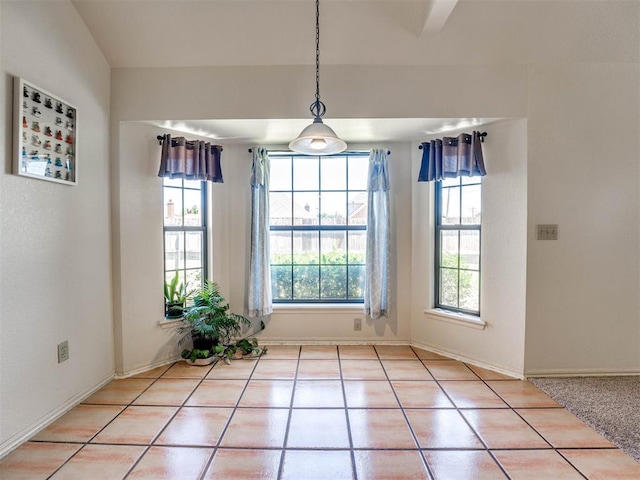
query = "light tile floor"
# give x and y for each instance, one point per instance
(320, 412)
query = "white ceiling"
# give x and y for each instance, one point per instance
(388, 33)
(188, 33)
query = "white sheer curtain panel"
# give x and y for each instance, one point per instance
(376, 291)
(260, 302)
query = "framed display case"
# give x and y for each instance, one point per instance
(45, 135)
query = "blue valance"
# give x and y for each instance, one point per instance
(452, 157)
(190, 159)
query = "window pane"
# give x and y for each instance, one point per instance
(471, 204)
(173, 250)
(280, 173)
(449, 287)
(172, 207)
(306, 282)
(449, 248)
(192, 208)
(193, 184)
(280, 208)
(184, 251)
(281, 285)
(356, 281)
(306, 248)
(172, 182)
(333, 208)
(357, 208)
(306, 208)
(305, 173)
(194, 279)
(326, 265)
(193, 249)
(358, 173)
(458, 258)
(470, 249)
(470, 180)
(333, 173)
(450, 205)
(168, 276)
(357, 247)
(333, 281)
(333, 248)
(469, 290)
(450, 182)
(280, 248)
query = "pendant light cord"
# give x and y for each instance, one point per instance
(318, 108)
(317, 50)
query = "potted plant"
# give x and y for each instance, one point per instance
(213, 330)
(175, 296)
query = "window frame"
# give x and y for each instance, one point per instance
(319, 228)
(459, 227)
(202, 228)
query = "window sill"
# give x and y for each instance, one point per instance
(295, 308)
(173, 323)
(455, 318)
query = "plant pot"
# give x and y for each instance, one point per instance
(174, 310)
(201, 361)
(200, 343)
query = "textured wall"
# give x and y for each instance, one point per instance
(55, 272)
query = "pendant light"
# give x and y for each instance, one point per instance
(318, 138)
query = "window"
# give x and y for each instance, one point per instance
(185, 230)
(457, 253)
(318, 219)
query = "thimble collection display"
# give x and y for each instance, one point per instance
(46, 142)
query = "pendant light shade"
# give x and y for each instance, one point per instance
(318, 138)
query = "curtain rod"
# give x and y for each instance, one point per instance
(161, 141)
(288, 152)
(481, 135)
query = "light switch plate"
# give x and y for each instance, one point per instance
(547, 232)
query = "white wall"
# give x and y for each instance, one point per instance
(139, 255)
(582, 107)
(500, 345)
(568, 94)
(583, 312)
(55, 274)
(264, 92)
(320, 324)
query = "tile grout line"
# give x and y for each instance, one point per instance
(228, 422)
(404, 414)
(553, 448)
(489, 451)
(153, 440)
(291, 408)
(354, 470)
(88, 442)
(457, 409)
(513, 409)
(286, 430)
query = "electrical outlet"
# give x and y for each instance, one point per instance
(357, 324)
(63, 351)
(547, 232)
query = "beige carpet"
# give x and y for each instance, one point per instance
(610, 405)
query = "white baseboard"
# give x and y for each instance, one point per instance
(330, 341)
(131, 373)
(472, 361)
(581, 372)
(43, 422)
